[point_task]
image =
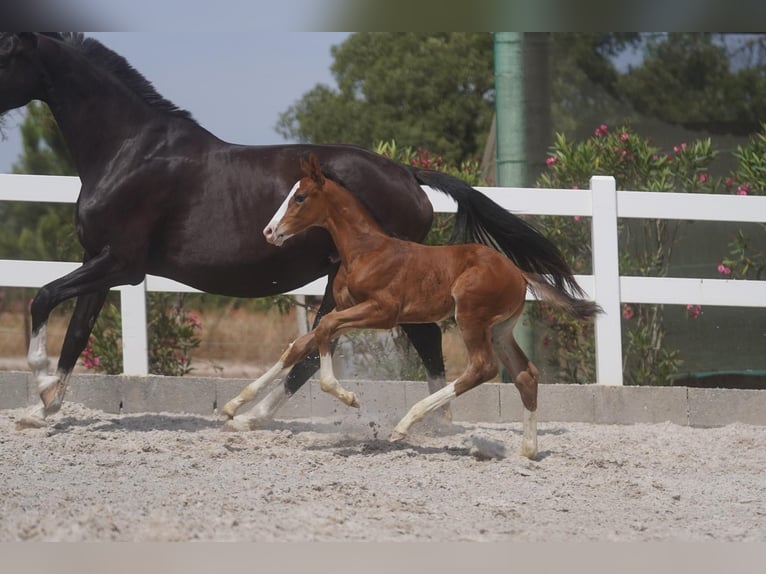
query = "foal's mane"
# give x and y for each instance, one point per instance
(330, 174)
(104, 58)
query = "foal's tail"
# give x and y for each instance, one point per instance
(481, 220)
(559, 299)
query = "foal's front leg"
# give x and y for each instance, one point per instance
(297, 350)
(329, 383)
(366, 315)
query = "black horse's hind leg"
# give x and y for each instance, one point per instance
(90, 283)
(427, 340)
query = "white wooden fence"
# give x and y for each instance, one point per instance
(601, 202)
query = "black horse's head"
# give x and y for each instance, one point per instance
(20, 72)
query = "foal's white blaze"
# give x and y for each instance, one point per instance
(271, 228)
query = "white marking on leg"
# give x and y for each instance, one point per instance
(261, 414)
(276, 219)
(250, 392)
(265, 410)
(329, 384)
(529, 440)
(436, 384)
(61, 381)
(51, 388)
(422, 408)
(37, 356)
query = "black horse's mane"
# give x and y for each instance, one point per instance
(104, 58)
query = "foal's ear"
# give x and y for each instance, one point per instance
(312, 169)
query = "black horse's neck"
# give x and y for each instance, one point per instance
(98, 99)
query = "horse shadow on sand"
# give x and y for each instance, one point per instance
(345, 437)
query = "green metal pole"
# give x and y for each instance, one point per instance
(509, 109)
(511, 159)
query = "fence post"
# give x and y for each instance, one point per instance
(301, 315)
(135, 351)
(606, 280)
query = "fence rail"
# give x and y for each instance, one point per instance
(602, 202)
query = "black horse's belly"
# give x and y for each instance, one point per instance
(227, 270)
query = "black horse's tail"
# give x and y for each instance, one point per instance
(481, 220)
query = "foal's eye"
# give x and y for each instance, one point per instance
(299, 198)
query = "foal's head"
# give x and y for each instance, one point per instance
(303, 207)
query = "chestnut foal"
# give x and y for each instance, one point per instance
(384, 281)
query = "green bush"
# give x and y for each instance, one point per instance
(172, 332)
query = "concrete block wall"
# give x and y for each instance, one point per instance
(388, 401)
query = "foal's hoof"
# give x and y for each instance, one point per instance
(236, 424)
(243, 423)
(529, 451)
(397, 436)
(228, 411)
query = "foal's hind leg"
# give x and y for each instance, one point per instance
(427, 340)
(481, 367)
(525, 376)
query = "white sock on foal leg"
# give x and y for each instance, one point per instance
(421, 409)
(529, 440)
(264, 410)
(329, 384)
(251, 391)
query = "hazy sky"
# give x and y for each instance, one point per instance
(234, 83)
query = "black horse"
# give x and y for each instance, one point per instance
(162, 195)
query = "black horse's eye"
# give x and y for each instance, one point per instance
(299, 198)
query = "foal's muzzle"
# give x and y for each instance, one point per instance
(270, 232)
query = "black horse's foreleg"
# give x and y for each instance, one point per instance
(80, 327)
(90, 282)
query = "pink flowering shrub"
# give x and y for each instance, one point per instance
(172, 333)
(645, 245)
(745, 262)
(694, 311)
